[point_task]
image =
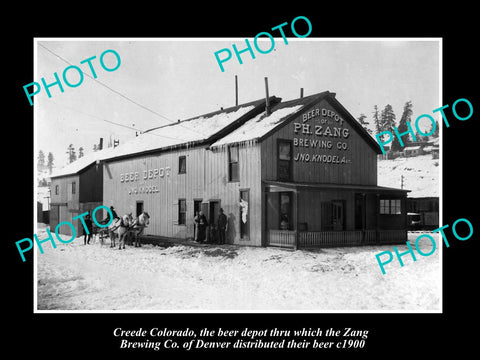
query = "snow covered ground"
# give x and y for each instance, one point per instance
(232, 278)
(421, 175)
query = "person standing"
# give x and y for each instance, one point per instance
(202, 224)
(114, 213)
(88, 225)
(195, 227)
(222, 224)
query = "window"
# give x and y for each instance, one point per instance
(285, 211)
(390, 206)
(182, 165)
(284, 165)
(333, 215)
(56, 189)
(74, 187)
(182, 211)
(233, 163)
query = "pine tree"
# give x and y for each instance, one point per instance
(364, 123)
(387, 118)
(80, 152)
(402, 127)
(95, 147)
(50, 162)
(41, 161)
(72, 156)
(387, 123)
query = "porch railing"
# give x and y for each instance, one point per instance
(288, 238)
(329, 238)
(282, 238)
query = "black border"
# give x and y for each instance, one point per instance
(67, 334)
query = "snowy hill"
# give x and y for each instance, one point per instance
(421, 175)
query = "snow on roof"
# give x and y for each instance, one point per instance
(83, 162)
(183, 132)
(257, 126)
(412, 148)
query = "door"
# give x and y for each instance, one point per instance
(54, 215)
(139, 208)
(197, 206)
(214, 208)
(359, 211)
(337, 215)
(244, 215)
(332, 215)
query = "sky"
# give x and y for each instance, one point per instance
(162, 80)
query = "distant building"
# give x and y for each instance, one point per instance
(75, 189)
(432, 148)
(426, 208)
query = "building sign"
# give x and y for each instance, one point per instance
(327, 132)
(142, 180)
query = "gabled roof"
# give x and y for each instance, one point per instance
(203, 129)
(236, 124)
(261, 126)
(85, 161)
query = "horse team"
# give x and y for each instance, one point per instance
(124, 226)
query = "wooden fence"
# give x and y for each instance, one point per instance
(284, 238)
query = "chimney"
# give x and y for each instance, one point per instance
(100, 145)
(267, 99)
(301, 93)
(236, 91)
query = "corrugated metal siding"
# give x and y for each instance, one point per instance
(218, 187)
(206, 178)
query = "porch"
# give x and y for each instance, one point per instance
(301, 239)
(330, 215)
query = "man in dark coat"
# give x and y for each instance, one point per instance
(88, 225)
(202, 224)
(222, 226)
(114, 213)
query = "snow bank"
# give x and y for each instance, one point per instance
(231, 278)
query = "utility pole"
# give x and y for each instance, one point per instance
(401, 183)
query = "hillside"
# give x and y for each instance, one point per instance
(421, 175)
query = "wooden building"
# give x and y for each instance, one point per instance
(427, 210)
(294, 173)
(77, 188)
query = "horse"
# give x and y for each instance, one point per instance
(138, 225)
(120, 226)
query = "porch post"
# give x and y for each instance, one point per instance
(295, 216)
(377, 210)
